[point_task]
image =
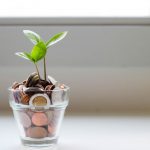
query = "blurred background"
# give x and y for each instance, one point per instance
(105, 59)
(106, 64)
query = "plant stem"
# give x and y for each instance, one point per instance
(37, 70)
(45, 68)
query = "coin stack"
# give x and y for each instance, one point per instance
(52, 91)
(39, 124)
(35, 92)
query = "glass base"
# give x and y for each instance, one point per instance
(46, 142)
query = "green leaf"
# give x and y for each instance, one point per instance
(42, 45)
(24, 55)
(56, 38)
(32, 36)
(38, 52)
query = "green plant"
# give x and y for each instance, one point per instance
(40, 48)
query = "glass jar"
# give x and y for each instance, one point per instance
(39, 114)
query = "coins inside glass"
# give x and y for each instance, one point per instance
(25, 99)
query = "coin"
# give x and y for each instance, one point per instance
(17, 95)
(24, 119)
(32, 90)
(49, 114)
(39, 86)
(24, 82)
(21, 87)
(48, 90)
(51, 129)
(44, 83)
(36, 132)
(62, 86)
(25, 99)
(56, 117)
(32, 80)
(49, 87)
(52, 80)
(15, 85)
(39, 100)
(30, 113)
(39, 119)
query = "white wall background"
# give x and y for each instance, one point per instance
(106, 66)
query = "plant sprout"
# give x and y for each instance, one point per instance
(40, 47)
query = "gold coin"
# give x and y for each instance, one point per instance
(39, 101)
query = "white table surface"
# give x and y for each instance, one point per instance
(89, 133)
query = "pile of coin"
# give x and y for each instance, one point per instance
(36, 121)
(38, 124)
(38, 92)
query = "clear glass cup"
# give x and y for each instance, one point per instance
(38, 124)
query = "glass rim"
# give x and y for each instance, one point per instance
(17, 106)
(54, 90)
